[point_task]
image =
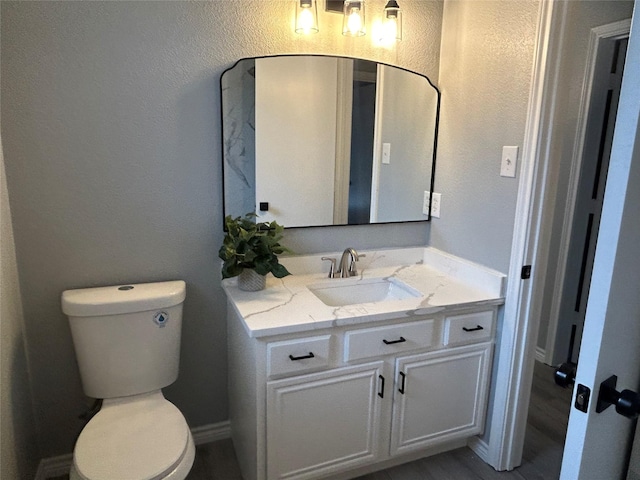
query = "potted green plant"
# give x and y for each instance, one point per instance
(250, 250)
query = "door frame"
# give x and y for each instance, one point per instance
(344, 111)
(377, 144)
(517, 341)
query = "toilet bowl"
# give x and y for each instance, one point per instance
(144, 437)
(127, 343)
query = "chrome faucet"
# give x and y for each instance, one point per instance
(347, 266)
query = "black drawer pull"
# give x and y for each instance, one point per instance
(391, 342)
(381, 391)
(401, 389)
(304, 357)
(479, 327)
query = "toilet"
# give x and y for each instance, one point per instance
(127, 343)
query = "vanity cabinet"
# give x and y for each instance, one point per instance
(340, 401)
(324, 422)
(439, 396)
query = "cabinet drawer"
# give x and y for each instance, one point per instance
(390, 339)
(299, 355)
(471, 327)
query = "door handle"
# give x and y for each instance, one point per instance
(303, 357)
(381, 391)
(627, 402)
(474, 329)
(404, 378)
(565, 375)
(391, 342)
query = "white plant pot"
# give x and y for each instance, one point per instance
(250, 281)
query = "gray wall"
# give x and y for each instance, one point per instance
(485, 76)
(19, 452)
(110, 123)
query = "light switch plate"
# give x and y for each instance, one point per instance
(509, 161)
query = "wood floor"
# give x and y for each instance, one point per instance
(544, 441)
(547, 424)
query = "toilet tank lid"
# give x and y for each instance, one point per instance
(121, 299)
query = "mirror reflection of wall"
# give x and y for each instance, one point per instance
(296, 104)
(327, 140)
(407, 126)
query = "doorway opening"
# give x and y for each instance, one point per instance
(563, 341)
(582, 214)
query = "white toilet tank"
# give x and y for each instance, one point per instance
(126, 338)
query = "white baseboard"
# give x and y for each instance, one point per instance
(541, 354)
(60, 465)
(480, 448)
(211, 433)
(54, 466)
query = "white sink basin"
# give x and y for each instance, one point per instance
(350, 292)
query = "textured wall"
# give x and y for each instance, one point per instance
(485, 75)
(110, 120)
(19, 452)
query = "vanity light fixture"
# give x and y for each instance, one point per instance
(306, 16)
(392, 27)
(353, 23)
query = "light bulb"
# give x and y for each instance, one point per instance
(391, 29)
(306, 16)
(305, 23)
(393, 22)
(354, 24)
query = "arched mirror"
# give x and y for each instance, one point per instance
(312, 140)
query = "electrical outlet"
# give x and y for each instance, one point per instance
(435, 207)
(435, 210)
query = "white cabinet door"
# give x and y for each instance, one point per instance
(439, 396)
(327, 422)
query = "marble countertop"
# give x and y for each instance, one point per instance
(442, 281)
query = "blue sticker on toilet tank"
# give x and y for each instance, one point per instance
(161, 318)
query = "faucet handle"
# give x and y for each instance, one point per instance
(353, 271)
(332, 268)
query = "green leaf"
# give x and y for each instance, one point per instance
(248, 244)
(279, 271)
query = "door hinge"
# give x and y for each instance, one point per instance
(525, 273)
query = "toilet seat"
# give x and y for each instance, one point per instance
(143, 438)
